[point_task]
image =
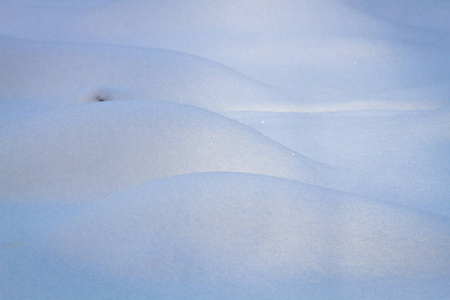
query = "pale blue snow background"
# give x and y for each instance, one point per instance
(205, 149)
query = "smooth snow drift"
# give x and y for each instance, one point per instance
(385, 154)
(90, 151)
(273, 150)
(80, 73)
(249, 236)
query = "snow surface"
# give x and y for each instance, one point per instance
(224, 149)
(400, 155)
(81, 73)
(90, 151)
(221, 235)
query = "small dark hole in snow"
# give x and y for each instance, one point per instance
(99, 99)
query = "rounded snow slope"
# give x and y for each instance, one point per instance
(93, 150)
(85, 73)
(213, 229)
(431, 15)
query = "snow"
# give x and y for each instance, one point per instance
(200, 234)
(224, 149)
(78, 73)
(401, 155)
(87, 152)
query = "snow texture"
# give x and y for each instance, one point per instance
(221, 235)
(285, 149)
(89, 151)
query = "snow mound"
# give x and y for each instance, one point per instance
(84, 73)
(90, 151)
(248, 235)
(398, 155)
